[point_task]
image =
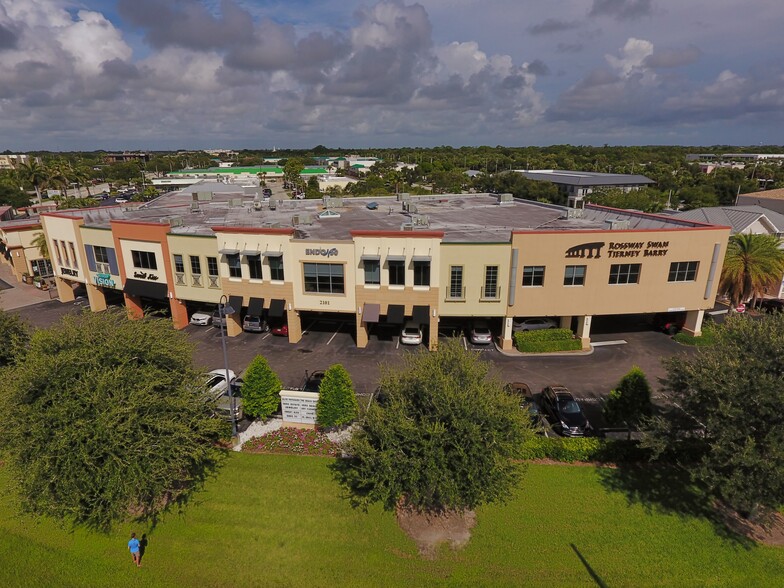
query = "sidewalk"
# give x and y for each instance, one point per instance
(20, 294)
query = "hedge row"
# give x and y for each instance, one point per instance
(545, 335)
(583, 449)
(548, 346)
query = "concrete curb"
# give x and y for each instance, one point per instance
(515, 353)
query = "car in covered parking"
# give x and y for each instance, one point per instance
(411, 334)
(533, 324)
(255, 324)
(201, 318)
(480, 333)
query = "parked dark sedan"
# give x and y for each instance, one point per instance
(564, 412)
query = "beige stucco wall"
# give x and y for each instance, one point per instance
(201, 247)
(653, 293)
(143, 274)
(101, 238)
(67, 230)
(474, 258)
(341, 252)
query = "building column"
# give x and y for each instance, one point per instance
(584, 331)
(65, 291)
(133, 304)
(507, 337)
(693, 324)
(566, 322)
(295, 326)
(96, 297)
(179, 313)
(362, 333)
(233, 324)
(432, 343)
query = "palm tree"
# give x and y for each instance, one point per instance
(752, 262)
(82, 178)
(33, 172)
(39, 241)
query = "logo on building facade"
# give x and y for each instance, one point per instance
(589, 250)
(69, 272)
(104, 280)
(619, 249)
(145, 276)
(322, 252)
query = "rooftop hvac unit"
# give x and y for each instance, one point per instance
(505, 199)
(420, 220)
(273, 204)
(295, 220)
(574, 213)
(410, 207)
(270, 225)
(257, 204)
(194, 207)
(403, 197)
(407, 227)
(202, 196)
(617, 224)
(175, 221)
(306, 218)
(235, 202)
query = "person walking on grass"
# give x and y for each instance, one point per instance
(133, 547)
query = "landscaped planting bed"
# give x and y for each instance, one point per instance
(293, 441)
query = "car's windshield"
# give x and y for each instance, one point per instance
(482, 331)
(569, 407)
(410, 331)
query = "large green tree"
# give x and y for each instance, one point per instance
(337, 403)
(752, 263)
(15, 335)
(34, 174)
(106, 420)
(630, 402)
(728, 429)
(13, 196)
(444, 437)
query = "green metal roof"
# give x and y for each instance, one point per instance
(309, 171)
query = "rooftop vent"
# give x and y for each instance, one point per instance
(202, 196)
(574, 213)
(504, 199)
(617, 224)
(257, 204)
(403, 197)
(409, 207)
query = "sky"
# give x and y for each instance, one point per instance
(258, 74)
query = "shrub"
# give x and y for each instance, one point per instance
(546, 340)
(630, 401)
(582, 449)
(337, 403)
(707, 338)
(261, 390)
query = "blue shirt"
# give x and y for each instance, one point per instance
(133, 545)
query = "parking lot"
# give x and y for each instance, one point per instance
(326, 341)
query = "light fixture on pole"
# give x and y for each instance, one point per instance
(225, 308)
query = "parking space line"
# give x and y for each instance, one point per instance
(465, 343)
(305, 332)
(210, 329)
(266, 335)
(335, 333)
(397, 343)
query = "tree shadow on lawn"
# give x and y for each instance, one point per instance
(668, 489)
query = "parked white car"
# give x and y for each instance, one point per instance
(411, 334)
(201, 318)
(480, 333)
(533, 324)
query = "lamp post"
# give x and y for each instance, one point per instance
(225, 308)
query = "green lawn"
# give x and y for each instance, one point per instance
(277, 521)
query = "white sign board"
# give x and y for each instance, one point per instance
(299, 407)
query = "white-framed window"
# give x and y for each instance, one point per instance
(533, 275)
(574, 275)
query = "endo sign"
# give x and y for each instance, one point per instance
(299, 408)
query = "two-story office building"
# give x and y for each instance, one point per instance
(376, 263)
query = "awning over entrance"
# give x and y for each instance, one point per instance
(146, 289)
(396, 314)
(272, 254)
(370, 313)
(236, 303)
(421, 315)
(422, 258)
(396, 257)
(255, 306)
(229, 251)
(369, 257)
(277, 308)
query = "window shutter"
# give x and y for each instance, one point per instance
(88, 249)
(113, 268)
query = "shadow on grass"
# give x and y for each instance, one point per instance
(667, 489)
(591, 572)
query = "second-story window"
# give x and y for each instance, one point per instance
(490, 289)
(276, 268)
(179, 265)
(195, 265)
(421, 273)
(372, 272)
(397, 272)
(254, 266)
(235, 266)
(533, 275)
(456, 281)
(144, 260)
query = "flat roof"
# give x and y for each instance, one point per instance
(229, 170)
(582, 178)
(463, 218)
